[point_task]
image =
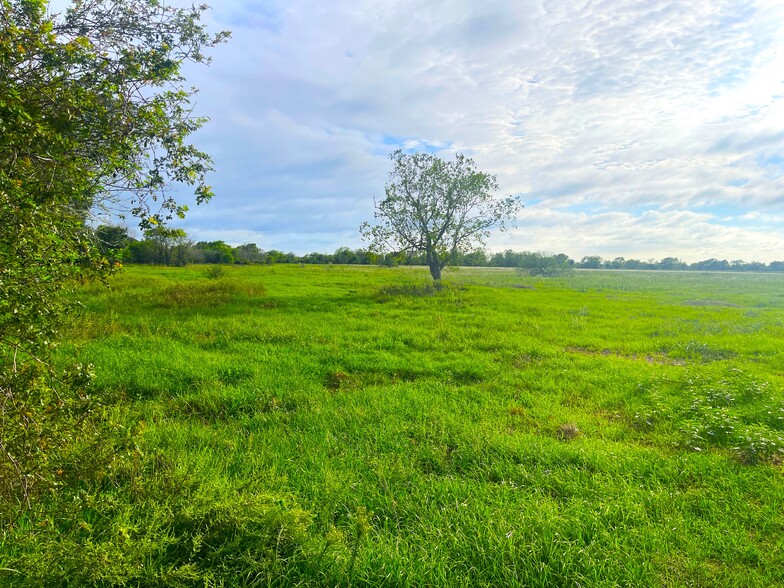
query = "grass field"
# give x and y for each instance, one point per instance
(329, 425)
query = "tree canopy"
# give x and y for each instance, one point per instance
(436, 207)
(94, 114)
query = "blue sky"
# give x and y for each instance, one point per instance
(643, 128)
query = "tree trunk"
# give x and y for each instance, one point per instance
(435, 270)
(433, 263)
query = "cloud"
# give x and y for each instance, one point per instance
(615, 106)
(651, 234)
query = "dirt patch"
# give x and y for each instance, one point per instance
(522, 287)
(663, 360)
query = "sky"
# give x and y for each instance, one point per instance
(635, 128)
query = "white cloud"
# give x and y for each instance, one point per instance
(609, 106)
(652, 234)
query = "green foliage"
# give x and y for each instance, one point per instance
(40, 428)
(214, 273)
(186, 295)
(248, 253)
(168, 529)
(534, 263)
(168, 246)
(111, 241)
(728, 410)
(93, 111)
(439, 208)
(426, 289)
(591, 262)
(531, 263)
(214, 252)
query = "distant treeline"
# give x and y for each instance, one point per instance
(165, 246)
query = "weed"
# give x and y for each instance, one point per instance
(568, 431)
(724, 412)
(214, 272)
(759, 444)
(361, 529)
(701, 351)
(336, 380)
(189, 295)
(211, 294)
(234, 375)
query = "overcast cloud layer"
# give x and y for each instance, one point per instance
(642, 128)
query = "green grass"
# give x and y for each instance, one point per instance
(302, 425)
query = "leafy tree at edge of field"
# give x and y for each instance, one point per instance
(440, 208)
(94, 115)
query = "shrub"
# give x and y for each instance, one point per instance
(214, 272)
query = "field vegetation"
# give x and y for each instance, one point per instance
(294, 425)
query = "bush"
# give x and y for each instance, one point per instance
(215, 272)
(42, 420)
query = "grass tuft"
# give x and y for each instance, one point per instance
(205, 294)
(568, 431)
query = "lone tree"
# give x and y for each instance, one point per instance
(94, 112)
(436, 207)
